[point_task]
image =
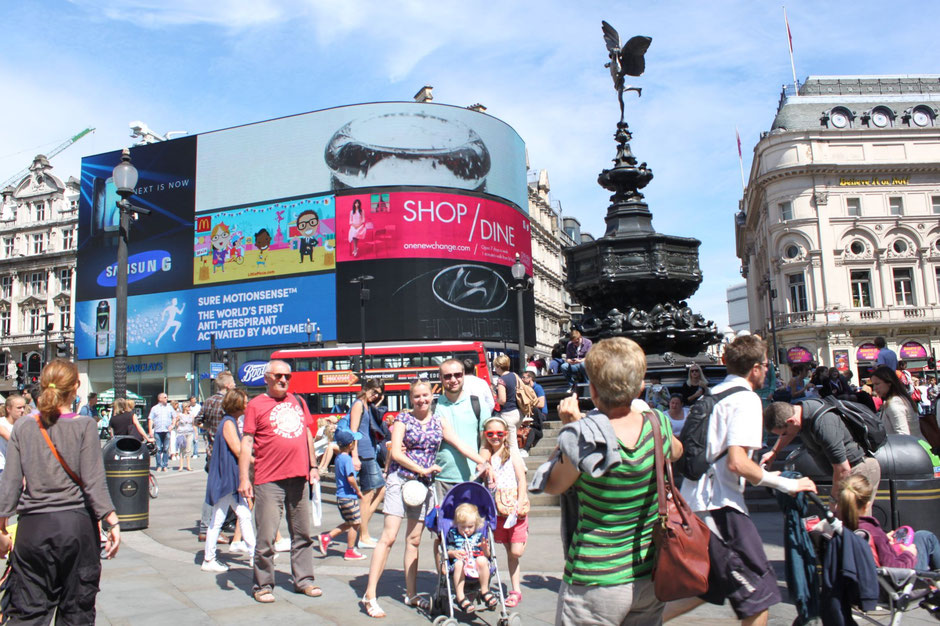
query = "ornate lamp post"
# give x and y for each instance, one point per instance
(521, 283)
(125, 179)
(361, 280)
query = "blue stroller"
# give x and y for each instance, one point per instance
(439, 521)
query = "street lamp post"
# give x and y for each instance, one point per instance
(771, 295)
(45, 347)
(309, 326)
(521, 283)
(361, 280)
(125, 179)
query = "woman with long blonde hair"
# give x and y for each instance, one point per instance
(56, 565)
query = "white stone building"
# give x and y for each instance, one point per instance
(551, 310)
(841, 221)
(38, 231)
(738, 312)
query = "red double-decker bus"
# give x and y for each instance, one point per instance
(328, 378)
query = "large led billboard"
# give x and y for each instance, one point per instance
(256, 229)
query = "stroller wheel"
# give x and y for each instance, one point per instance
(449, 622)
(439, 620)
(514, 619)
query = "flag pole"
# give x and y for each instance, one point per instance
(796, 86)
(740, 159)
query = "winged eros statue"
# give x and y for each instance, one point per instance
(624, 61)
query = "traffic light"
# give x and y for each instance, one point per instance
(224, 359)
(20, 374)
(62, 350)
(931, 363)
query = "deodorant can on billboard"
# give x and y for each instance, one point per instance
(103, 329)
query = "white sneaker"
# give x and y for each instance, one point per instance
(523, 453)
(214, 566)
(283, 545)
(239, 546)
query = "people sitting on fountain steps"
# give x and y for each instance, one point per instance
(657, 394)
(740, 571)
(825, 436)
(575, 351)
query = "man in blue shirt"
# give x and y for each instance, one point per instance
(90, 409)
(885, 356)
(575, 352)
(161, 420)
(538, 417)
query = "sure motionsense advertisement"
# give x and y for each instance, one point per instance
(255, 230)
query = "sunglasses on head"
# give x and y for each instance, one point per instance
(499, 434)
(279, 375)
(455, 375)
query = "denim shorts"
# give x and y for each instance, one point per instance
(370, 475)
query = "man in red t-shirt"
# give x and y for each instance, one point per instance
(279, 431)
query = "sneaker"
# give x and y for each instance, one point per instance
(323, 541)
(238, 546)
(214, 566)
(366, 544)
(353, 555)
(283, 545)
(523, 453)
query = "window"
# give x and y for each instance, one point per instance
(6, 286)
(65, 279)
(39, 212)
(68, 239)
(65, 316)
(861, 288)
(37, 283)
(39, 243)
(792, 251)
(935, 203)
(8, 247)
(4, 323)
(903, 286)
(853, 207)
(797, 287)
(35, 319)
(937, 271)
(899, 246)
(895, 206)
(857, 247)
(786, 211)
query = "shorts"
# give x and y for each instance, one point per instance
(629, 604)
(349, 509)
(370, 475)
(395, 504)
(740, 571)
(517, 534)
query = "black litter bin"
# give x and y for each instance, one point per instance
(909, 489)
(127, 469)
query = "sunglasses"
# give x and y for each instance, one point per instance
(279, 375)
(456, 376)
(499, 434)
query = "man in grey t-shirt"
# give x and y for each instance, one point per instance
(826, 437)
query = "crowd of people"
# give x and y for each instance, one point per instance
(266, 454)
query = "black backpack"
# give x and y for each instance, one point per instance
(694, 435)
(864, 425)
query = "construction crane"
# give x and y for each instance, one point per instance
(19, 175)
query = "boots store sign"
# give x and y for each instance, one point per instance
(251, 373)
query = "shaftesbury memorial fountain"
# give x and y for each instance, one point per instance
(633, 280)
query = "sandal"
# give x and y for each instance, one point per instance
(513, 599)
(264, 596)
(312, 591)
(490, 600)
(372, 607)
(418, 601)
(466, 606)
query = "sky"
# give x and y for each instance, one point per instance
(201, 65)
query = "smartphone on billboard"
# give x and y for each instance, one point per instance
(107, 217)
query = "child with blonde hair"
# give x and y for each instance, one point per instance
(470, 551)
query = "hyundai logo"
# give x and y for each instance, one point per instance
(471, 288)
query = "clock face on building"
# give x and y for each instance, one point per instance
(920, 117)
(839, 119)
(879, 119)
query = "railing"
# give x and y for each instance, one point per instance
(857, 316)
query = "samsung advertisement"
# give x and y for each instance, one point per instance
(256, 229)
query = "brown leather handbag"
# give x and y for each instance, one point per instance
(681, 564)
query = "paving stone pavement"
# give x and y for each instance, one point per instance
(156, 577)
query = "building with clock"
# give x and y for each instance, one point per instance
(839, 229)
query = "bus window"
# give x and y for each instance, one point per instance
(335, 402)
(473, 356)
(306, 364)
(437, 359)
(337, 363)
(391, 361)
(397, 401)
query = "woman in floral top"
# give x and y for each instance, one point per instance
(416, 436)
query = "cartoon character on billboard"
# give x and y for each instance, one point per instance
(357, 226)
(308, 223)
(170, 312)
(262, 242)
(221, 239)
(235, 249)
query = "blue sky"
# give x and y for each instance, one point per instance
(200, 65)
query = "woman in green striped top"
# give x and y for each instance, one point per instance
(609, 563)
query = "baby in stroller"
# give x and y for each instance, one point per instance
(468, 551)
